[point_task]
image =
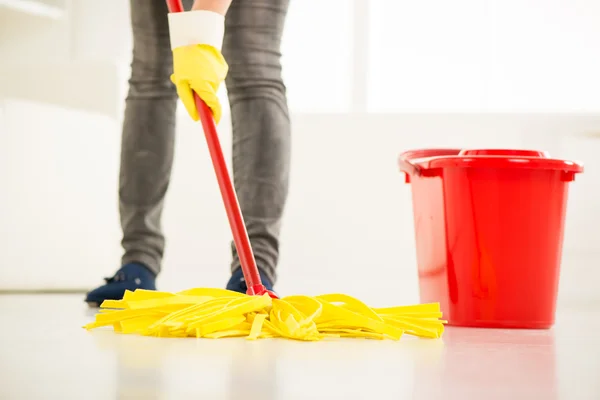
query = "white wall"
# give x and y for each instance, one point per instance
(349, 212)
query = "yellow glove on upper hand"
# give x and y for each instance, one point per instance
(201, 69)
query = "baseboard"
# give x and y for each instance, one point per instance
(4, 292)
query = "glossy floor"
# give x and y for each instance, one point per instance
(44, 354)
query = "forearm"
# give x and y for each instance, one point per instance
(218, 6)
(204, 24)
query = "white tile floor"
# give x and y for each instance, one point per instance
(44, 354)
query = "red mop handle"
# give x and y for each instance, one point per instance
(232, 206)
(175, 6)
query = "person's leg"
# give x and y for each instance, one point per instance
(261, 125)
(147, 145)
(148, 135)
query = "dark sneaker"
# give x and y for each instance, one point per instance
(237, 283)
(129, 277)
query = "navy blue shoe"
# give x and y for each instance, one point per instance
(237, 283)
(129, 277)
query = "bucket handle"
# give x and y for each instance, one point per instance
(412, 169)
(409, 168)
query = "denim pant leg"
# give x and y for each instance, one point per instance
(148, 135)
(261, 124)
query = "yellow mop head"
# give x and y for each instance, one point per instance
(219, 313)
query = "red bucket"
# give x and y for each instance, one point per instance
(489, 228)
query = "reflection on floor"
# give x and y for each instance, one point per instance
(44, 354)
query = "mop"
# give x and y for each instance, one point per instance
(258, 314)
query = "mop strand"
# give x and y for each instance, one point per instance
(219, 313)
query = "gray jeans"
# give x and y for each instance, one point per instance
(261, 128)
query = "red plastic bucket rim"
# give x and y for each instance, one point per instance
(417, 162)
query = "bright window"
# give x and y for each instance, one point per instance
(484, 55)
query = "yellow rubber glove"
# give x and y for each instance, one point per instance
(200, 69)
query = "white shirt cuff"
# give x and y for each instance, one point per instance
(196, 27)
